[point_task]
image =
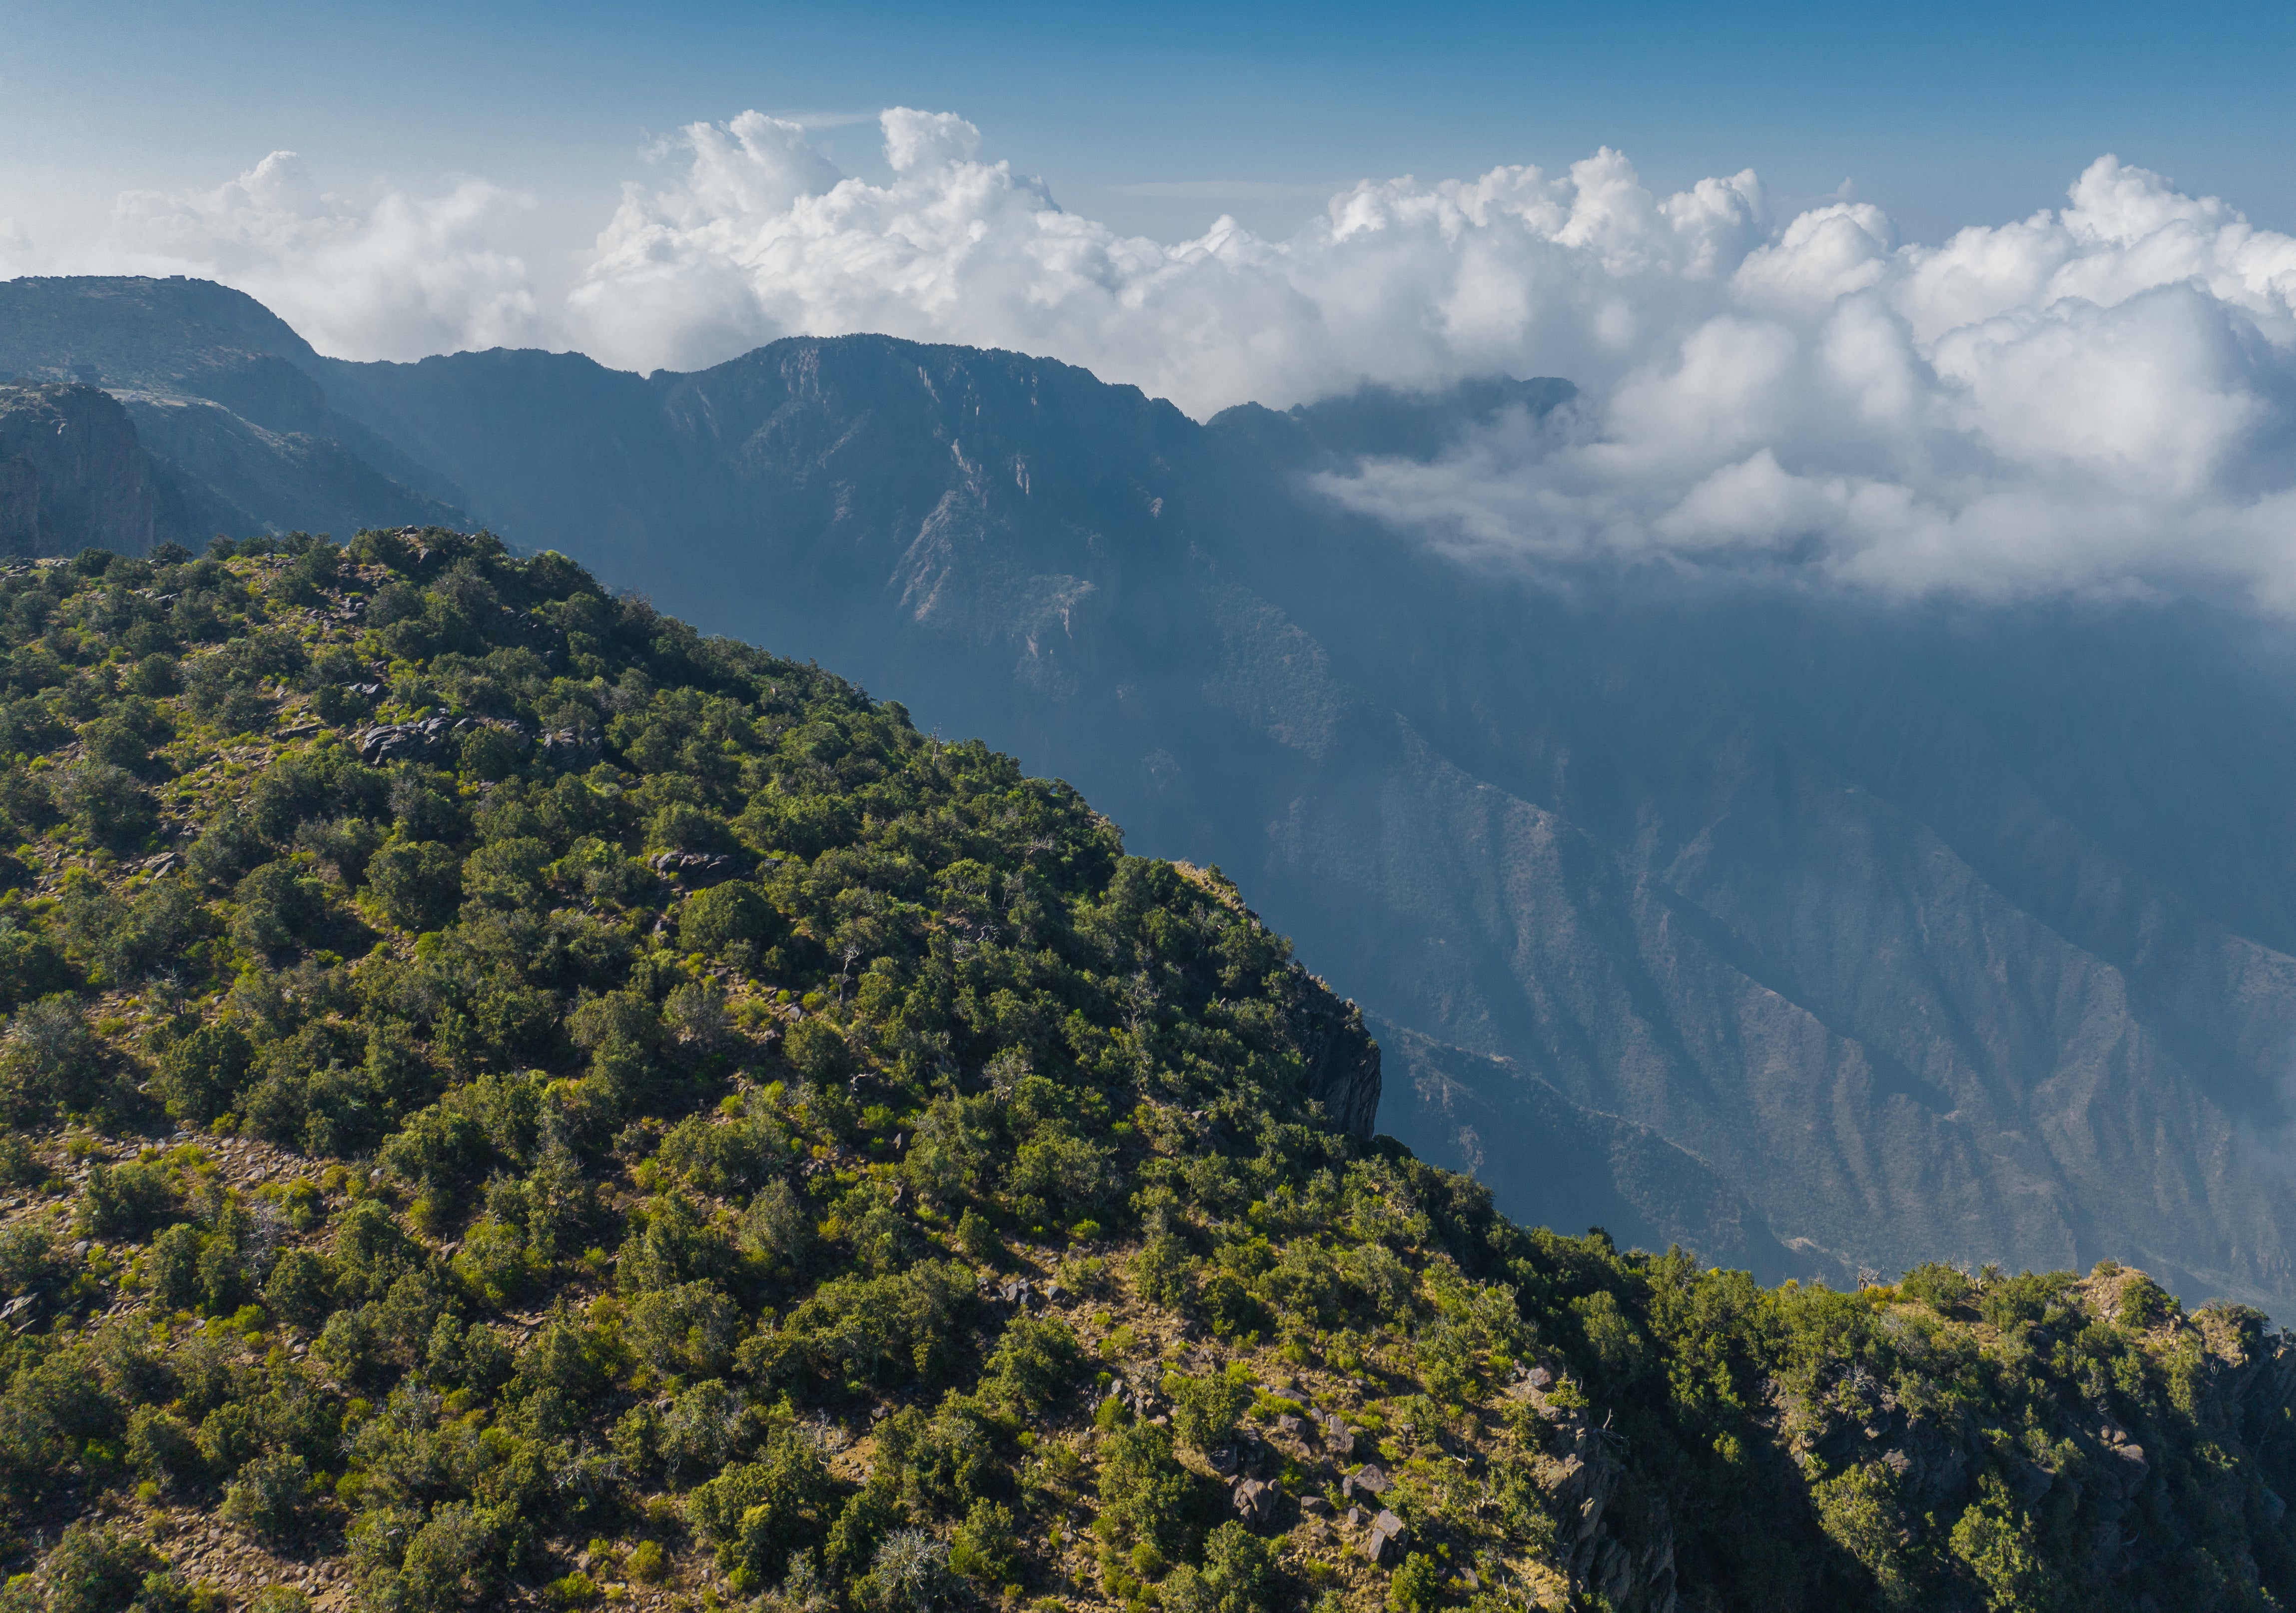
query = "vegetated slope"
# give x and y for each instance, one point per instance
(513, 1103)
(1931, 933)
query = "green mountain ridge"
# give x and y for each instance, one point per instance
(1928, 932)
(514, 1103)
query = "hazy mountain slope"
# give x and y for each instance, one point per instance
(2081, 1051)
(253, 479)
(1561, 1164)
(226, 396)
(533, 440)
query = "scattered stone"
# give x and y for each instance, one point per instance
(416, 741)
(1255, 1501)
(1288, 1424)
(1315, 1506)
(1385, 1542)
(1369, 1480)
(564, 746)
(694, 867)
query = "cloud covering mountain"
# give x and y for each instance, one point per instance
(2097, 398)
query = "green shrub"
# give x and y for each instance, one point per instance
(1994, 1539)
(48, 1060)
(1416, 1586)
(268, 1495)
(300, 1289)
(418, 884)
(756, 1513)
(161, 1447)
(723, 916)
(1035, 1362)
(691, 1329)
(454, 1561)
(1205, 1410)
(1146, 1497)
(29, 966)
(883, 1330)
(174, 1266)
(125, 1200)
(200, 1075)
(109, 805)
(98, 1569)
(1942, 1288)
(281, 906)
(985, 1548)
(575, 1589)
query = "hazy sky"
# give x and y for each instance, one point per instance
(1944, 113)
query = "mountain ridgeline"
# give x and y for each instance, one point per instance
(1818, 935)
(511, 1102)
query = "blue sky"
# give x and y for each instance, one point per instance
(1944, 114)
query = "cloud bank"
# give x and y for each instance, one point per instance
(391, 276)
(2099, 397)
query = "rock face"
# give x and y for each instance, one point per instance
(1342, 1061)
(1585, 1482)
(73, 474)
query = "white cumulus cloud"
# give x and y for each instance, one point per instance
(1398, 281)
(391, 276)
(2094, 398)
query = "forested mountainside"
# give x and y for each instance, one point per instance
(1815, 933)
(511, 1102)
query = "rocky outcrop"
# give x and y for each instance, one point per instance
(73, 475)
(422, 740)
(2075, 1460)
(695, 867)
(1585, 1482)
(1342, 1061)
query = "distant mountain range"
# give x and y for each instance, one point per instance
(1813, 934)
